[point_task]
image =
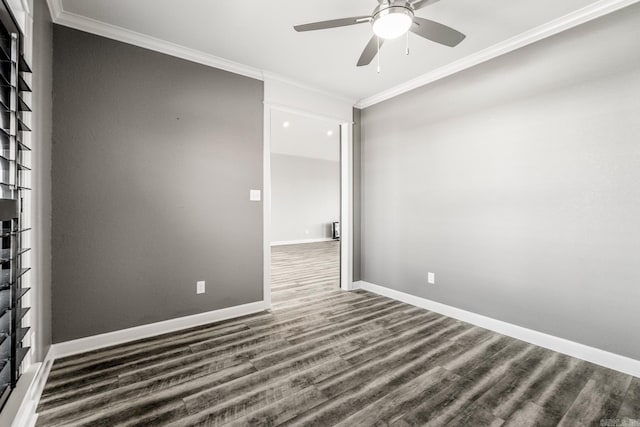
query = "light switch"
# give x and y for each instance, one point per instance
(254, 195)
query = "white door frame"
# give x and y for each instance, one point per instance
(346, 197)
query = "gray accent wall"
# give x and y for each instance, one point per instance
(305, 197)
(517, 182)
(42, 65)
(153, 160)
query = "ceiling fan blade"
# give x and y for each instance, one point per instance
(322, 25)
(436, 32)
(419, 4)
(370, 51)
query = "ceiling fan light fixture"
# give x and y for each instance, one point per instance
(389, 20)
(392, 22)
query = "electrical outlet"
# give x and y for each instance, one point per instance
(200, 287)
(431, 278)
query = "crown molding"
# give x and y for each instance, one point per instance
(586, 14)
(55, 9)
(93, 26)
(573, 19)
(89, 25)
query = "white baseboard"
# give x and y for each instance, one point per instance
(17, 411)
(298, 242)
(28, 392)
(590, 354)
(95, 342)
(27, 416)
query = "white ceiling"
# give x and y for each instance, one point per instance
(259, 34)
(304, 136)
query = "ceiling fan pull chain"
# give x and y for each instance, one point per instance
(378, 38)
(407, 43)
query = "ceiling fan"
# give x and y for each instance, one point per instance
(392, 19)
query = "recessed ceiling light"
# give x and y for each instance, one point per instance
(285, 124)
(330, 133)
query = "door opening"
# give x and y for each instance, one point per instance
(305, 201)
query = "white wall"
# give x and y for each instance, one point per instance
(297, 97)
(305, 198)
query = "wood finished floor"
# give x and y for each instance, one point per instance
(325, 357)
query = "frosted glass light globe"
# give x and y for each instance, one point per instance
(393, 24)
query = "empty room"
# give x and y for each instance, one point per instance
(320, 213)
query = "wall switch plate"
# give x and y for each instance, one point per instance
(254, 195)
(200, 287)
(431, 278)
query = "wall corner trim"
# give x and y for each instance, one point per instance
(590, 354)
(566, 22)
(122, 336)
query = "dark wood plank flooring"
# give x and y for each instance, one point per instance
(324, 357)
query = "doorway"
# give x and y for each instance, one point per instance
(305, 201)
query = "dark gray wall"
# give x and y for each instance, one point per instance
(42, 65)
(518, 183)
(153, 161)
(357, 193)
